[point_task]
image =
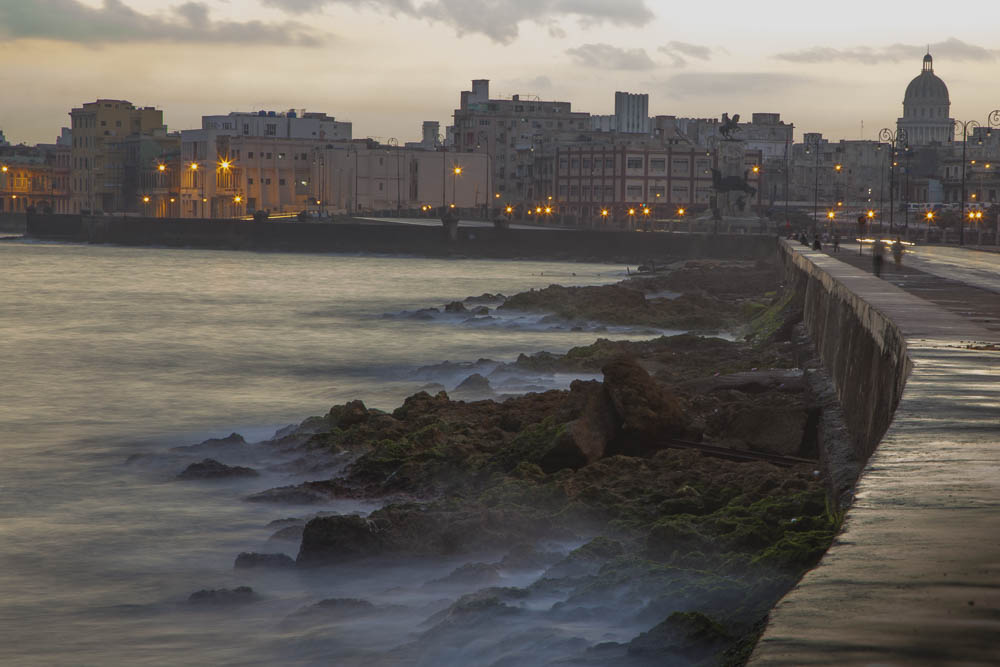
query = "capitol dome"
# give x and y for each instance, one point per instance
(927, 87)
(925, 108)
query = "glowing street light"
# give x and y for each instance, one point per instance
(145, 199)
(871, 214)
(161, 167)
(4, 169)
(756, 169)
(681, 212)
(830, 215)
(237, 199)
(194, 166)
(930, 216)
(224, 165)
(604, 212)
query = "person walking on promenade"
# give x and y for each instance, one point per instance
(878, 255)
(897, 252)
(836, 241)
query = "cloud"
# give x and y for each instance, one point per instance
(116, 22)
(677, 50)
(950, 49)
(498, 20)
(731, 84)
(605, 56)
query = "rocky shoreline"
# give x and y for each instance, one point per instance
(681, 495)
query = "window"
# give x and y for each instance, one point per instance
(246, 128)
(609, 163)
(586, 163)
(281, 181)
(680, 166)
(271, 129)
(634, 163)
(104, 123)
(657, 164)
(268, 156)
(118, 123)
(281, 156)
(484, 122)
(574, 163)
(574, 191)
(267, 181)
(250, 155)
(249, 181)
(633, 192)
(305, 156)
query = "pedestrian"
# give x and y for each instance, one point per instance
(878, 255)
(897, 252)
(816, 244)
(836, 241)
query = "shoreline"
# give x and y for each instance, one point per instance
(429, 463)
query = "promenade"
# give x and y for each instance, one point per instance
(914, 577)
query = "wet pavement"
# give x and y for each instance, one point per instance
(914, 577)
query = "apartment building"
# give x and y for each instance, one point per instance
(98, 156)
(511, 133)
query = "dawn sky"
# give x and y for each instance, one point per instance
(387, 65)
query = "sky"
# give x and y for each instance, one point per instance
(839, 68)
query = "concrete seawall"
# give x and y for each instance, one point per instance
(861, 347)
(367, 237)
(912, 579)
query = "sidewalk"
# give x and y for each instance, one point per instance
(914, 577)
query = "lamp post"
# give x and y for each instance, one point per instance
(484, 141)
(394, 143)
(964, 126)
(814, 146)
(455, 173)
(894, 139)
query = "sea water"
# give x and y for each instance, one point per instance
(109, 353)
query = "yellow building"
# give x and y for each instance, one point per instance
(98, 157)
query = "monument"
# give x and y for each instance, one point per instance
(732, 196)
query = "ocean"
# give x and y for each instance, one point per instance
(112, 356)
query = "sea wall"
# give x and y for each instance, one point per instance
(369, 237)
(864, 351)
(12, 223)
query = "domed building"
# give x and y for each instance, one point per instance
(925, 109)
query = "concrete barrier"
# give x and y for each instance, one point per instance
(369, 237)
(862, 348)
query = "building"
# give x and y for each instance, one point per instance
(511, 133)
(35, 177)
(632, 113)
(367, 176)
(97, 157)
(242, 162)
(430, 137)
(611, 173)
(926, 107)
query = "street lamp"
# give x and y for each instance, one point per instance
(894, 139)
(814, 145)
(455, 173)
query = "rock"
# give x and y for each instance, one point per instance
(336, 539)
(471, 574)
(648, 411)
(289, 533)
(480, 310)
(432, 388)
(421, 403)
(231, 440)
(223, 596)
(475, 387)
(249, 559)
(212, 469)
(527, 557)
(587, 559)
(455, 307)
(339, 608)
(691, 635)
(424, 314)
(585, 439)
(485, 298)
(309, 493)
(785, 380)
(775, 430)
(348, 415)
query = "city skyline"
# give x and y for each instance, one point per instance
(387, 65)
